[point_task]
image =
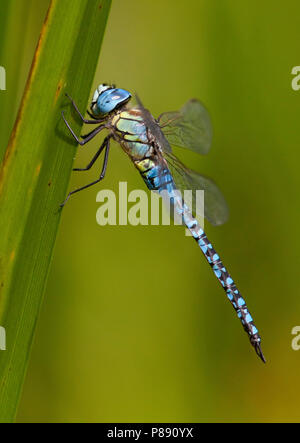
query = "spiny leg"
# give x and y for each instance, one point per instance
(95, 156)
(102, 175)
(88, 122)
(87, 137)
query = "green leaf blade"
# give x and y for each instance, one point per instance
(34, 176)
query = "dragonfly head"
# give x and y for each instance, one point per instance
(107, 99)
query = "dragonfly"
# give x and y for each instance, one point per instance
(148, 142)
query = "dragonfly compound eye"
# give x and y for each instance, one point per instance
(107, 99)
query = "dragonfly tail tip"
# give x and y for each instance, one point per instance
(260, 353)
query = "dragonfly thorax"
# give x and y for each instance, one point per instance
(107, 99)
(131, 132)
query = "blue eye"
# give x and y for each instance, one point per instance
(109, 100)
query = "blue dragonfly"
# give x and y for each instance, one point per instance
(148, 142)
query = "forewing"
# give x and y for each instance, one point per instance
(188, 128)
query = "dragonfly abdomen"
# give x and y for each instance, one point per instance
(219, 270)
(156, 175)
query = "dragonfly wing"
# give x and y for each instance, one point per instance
(189, 128)
(153, 127)
(215, 206)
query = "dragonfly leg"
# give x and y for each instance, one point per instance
(88, 122)
(88, 137)
(95, 156)
(102, 175)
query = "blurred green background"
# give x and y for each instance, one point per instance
(134, 326)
